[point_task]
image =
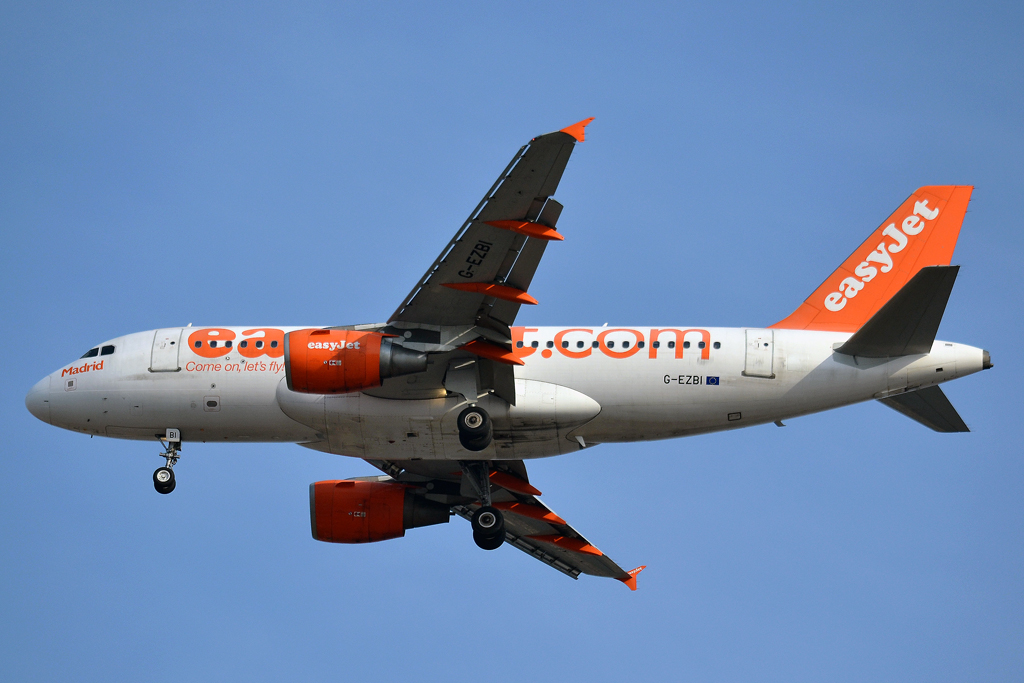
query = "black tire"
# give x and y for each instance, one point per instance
(489, 542)
(474, 423)
(164, 488)
(164, 477)
(488, 521)
(474, 428)
(475, 444)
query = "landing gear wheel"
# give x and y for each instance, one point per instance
(163, 480)
(488, 528)
(489, 543)
(474, 428)
(488, 521)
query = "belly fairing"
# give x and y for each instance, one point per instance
(356, 424)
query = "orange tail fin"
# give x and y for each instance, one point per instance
(922, 232)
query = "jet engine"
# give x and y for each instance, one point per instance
(352, 511)
(319, 361)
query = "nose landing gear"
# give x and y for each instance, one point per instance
(163, 478)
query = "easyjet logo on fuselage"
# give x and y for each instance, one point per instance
(214, 342)
(585, 343)
(882, 255)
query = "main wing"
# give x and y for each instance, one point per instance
(530, 525)
(482, 276)
(466, 302)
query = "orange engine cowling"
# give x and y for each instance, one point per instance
(351, 511)
(339, 361)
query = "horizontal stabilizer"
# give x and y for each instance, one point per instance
(907, 323)
(930, 407)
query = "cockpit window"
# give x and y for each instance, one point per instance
(107, 350)
(91, 353)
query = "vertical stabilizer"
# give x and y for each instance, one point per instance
(921, 232)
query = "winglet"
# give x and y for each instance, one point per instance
(631, 581)
(576, 129)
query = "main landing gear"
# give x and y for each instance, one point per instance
(488, 522)
(474, 428)
(163, 478)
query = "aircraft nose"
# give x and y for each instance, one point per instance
(38, 400)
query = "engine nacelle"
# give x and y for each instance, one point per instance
(339, 361)
(351, 511)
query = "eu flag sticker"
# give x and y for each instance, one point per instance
(712, 381)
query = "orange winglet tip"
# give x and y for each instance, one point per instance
(492, 352)
(574, 544)
(497, 291)
(576, 129)
(631, 581)
(529, 229)
(531, 511)
(507, 481)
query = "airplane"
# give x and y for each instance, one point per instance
(449, 398)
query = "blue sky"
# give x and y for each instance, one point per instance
(258, 164)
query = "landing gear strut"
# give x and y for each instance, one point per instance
(488, 522)
(163, 478)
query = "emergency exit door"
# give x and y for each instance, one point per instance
(760, 351)
(165, 350)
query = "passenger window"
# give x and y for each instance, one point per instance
(656, 345)
(273, 344)
(672, 345)
(550, 344)
(579, 345)
(534, 345)
(686, 345)
(640, 345)
(625, 345)
(718, 345)
(611, 345)
(596, 344)
(107, 350)
(259, 344)
(213, 344)
(228, 343)
(519, 344)
(565, 344)
(243, 344)
(701, 345)
(199, 343)
(91, 353)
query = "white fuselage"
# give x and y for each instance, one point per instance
(577, 387)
